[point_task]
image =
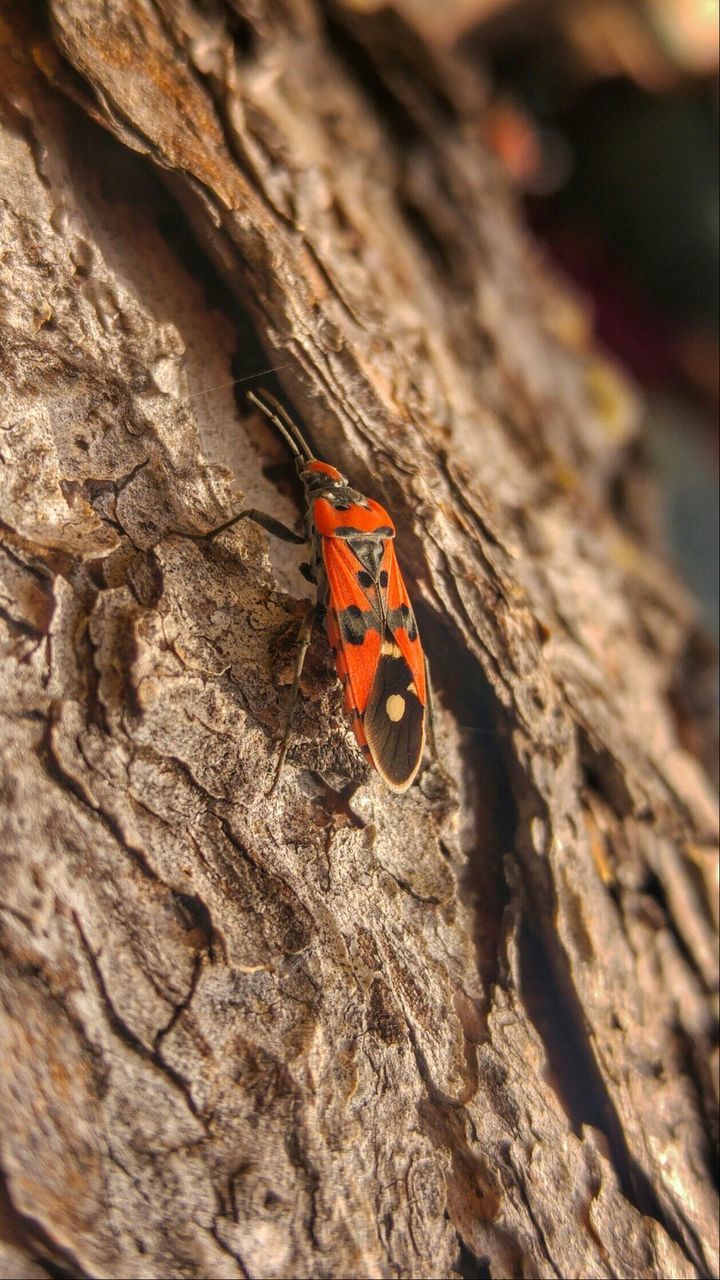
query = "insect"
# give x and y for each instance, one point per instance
(363, 601)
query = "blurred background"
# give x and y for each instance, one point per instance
(604, 116)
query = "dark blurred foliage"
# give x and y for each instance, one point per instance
(646, 169)
(604, 114)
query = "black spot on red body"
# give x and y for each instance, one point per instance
(355, 623)
(403, 618)
(350, 531)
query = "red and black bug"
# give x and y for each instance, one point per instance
(361, 596)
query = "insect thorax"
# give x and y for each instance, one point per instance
(347, 515)
(335, 489)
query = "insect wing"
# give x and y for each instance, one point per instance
(394, 719)
(354, 626)
(379, 660)
(401, 621)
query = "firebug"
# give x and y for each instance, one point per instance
(363, 601)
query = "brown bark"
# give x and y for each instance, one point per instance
(468, 1029)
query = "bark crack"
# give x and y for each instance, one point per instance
(128, 1036)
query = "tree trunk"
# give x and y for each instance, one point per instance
(466, 1030)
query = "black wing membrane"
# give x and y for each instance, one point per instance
(394, 719)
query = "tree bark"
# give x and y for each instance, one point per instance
(468, 1030)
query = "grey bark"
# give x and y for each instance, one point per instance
(468, 1030)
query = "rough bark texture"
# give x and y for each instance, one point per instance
(337, 1033)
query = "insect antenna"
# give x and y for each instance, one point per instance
(235, 382)
(283, 423)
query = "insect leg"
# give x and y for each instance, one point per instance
(304, 637)
(273, 526)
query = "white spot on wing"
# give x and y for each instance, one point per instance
(395, 707)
